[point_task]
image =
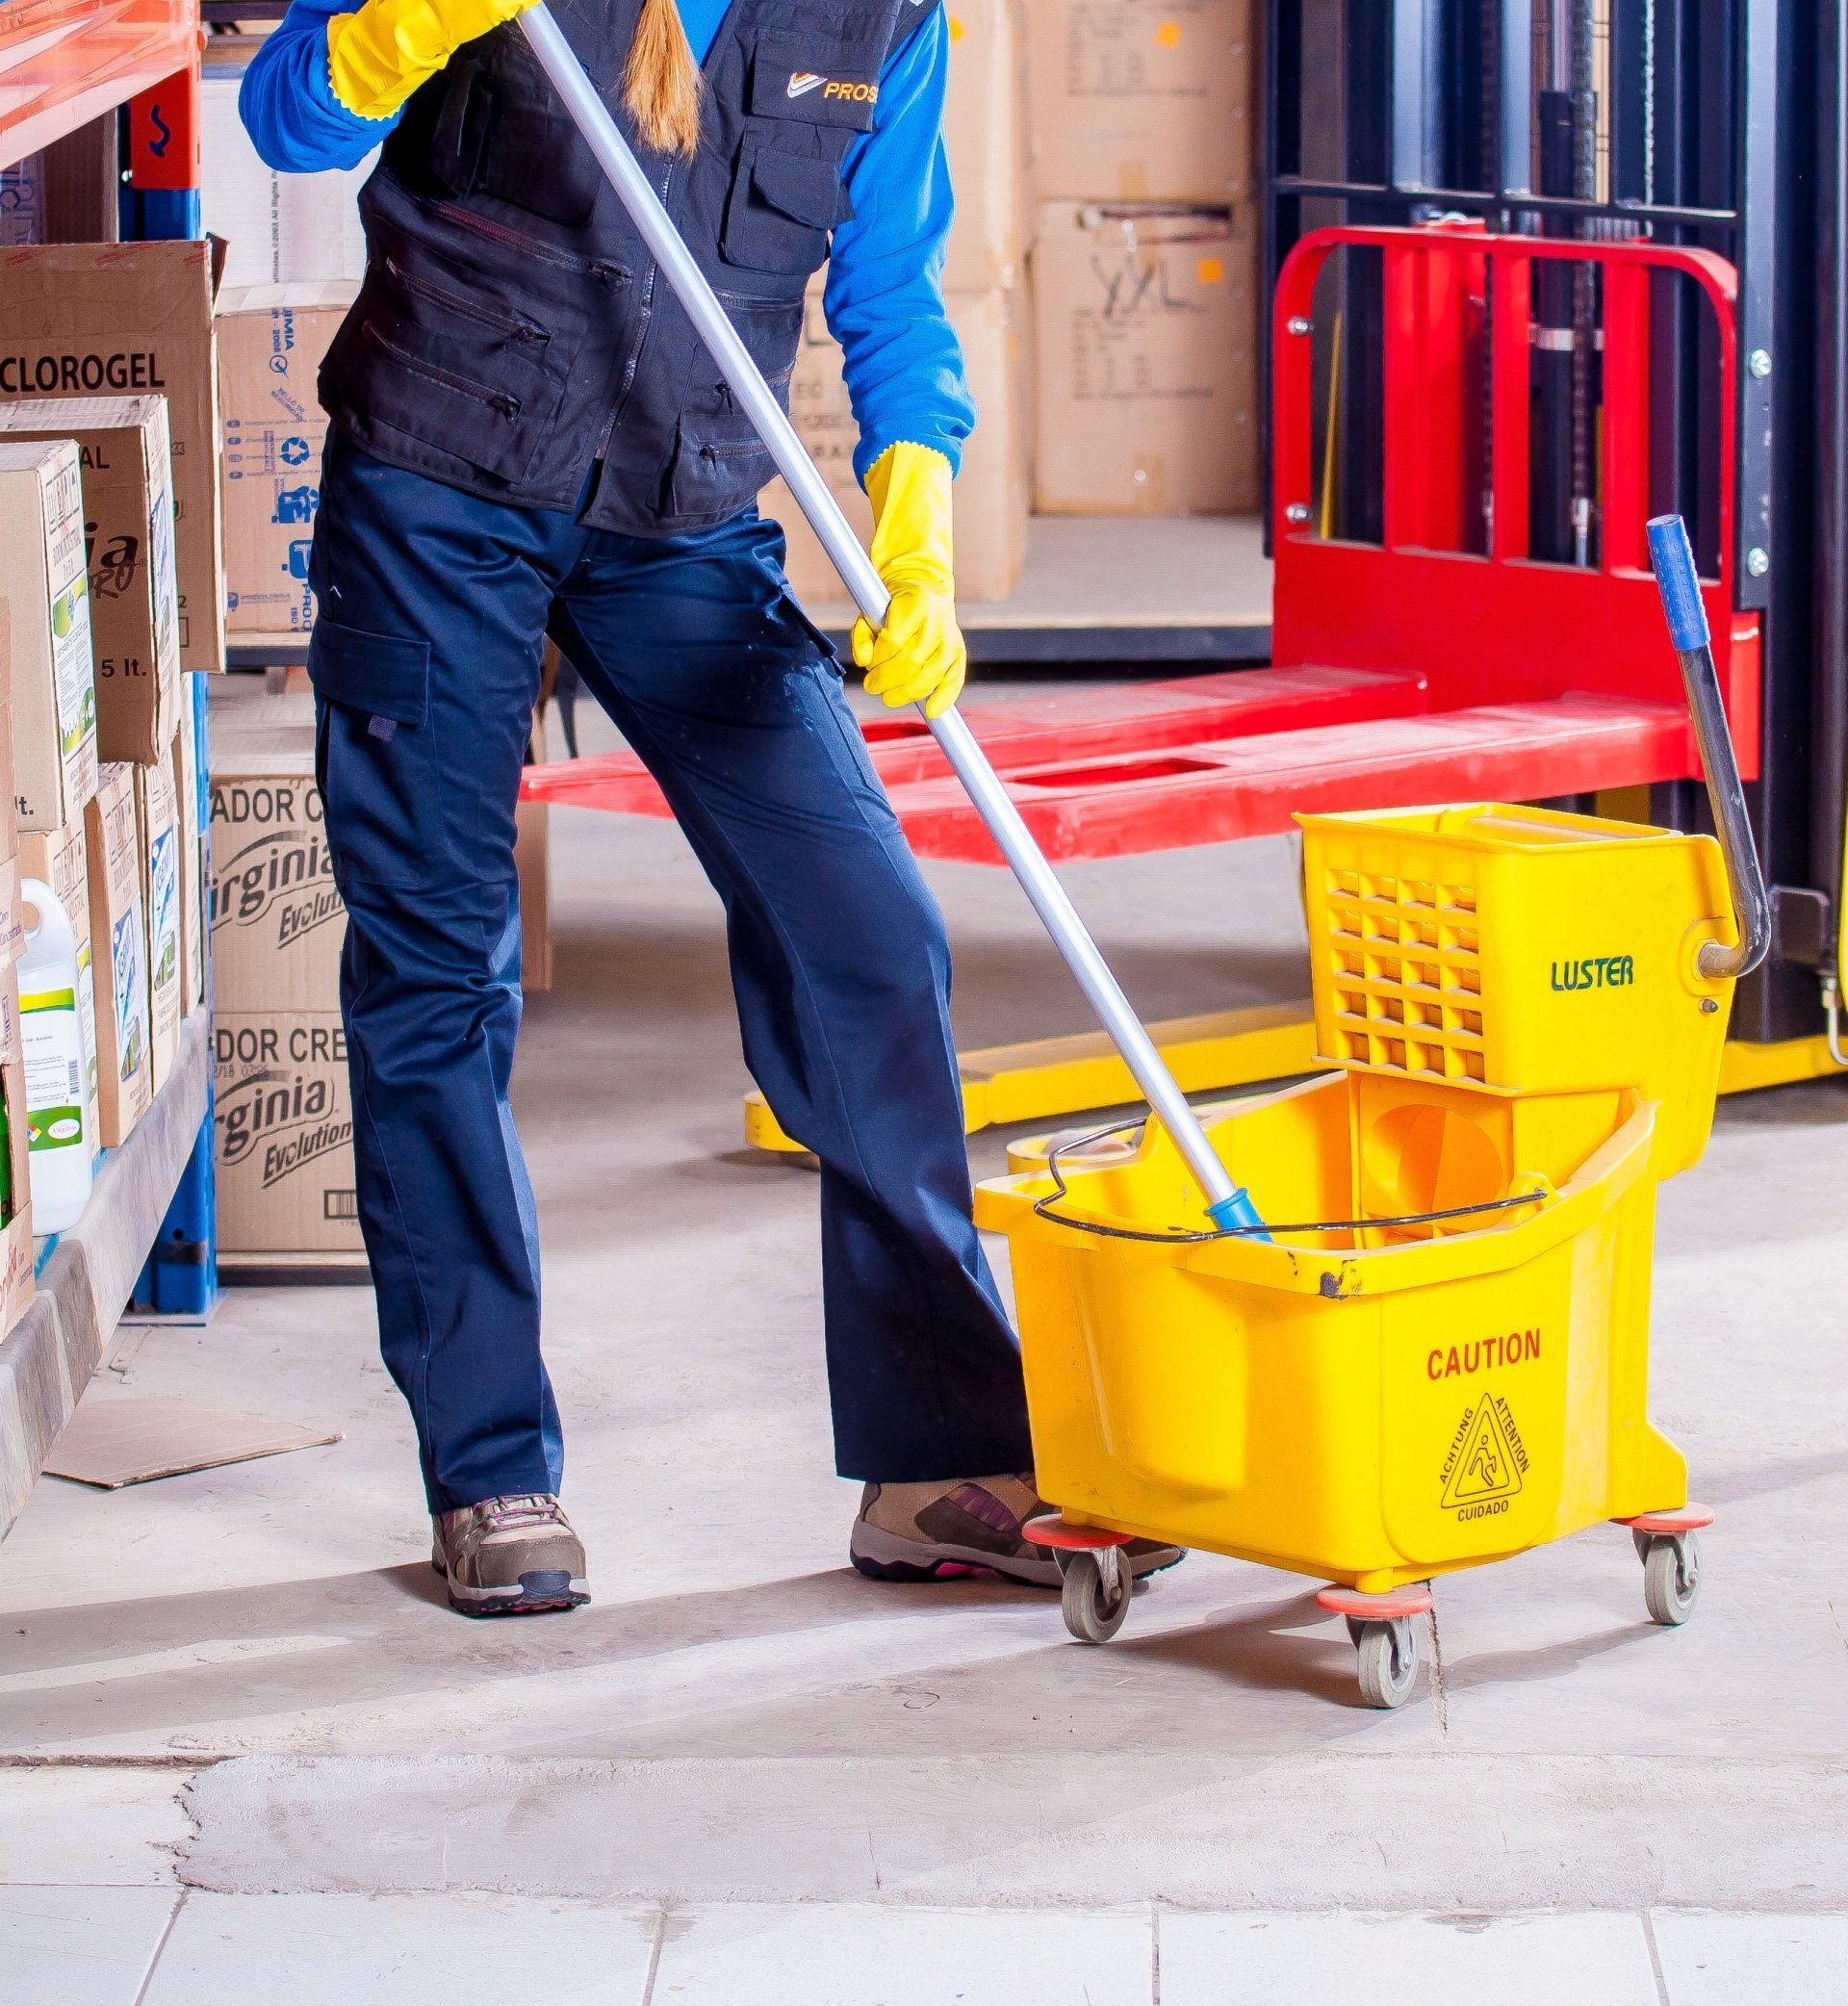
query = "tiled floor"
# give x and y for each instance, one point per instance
(151, 1947)
(79, 1947)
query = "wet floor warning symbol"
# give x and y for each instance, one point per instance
(1482, 1463)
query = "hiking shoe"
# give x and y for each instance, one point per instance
(509, 1556)
(930, 1531)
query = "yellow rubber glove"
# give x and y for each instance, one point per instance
(379, 56)
(917, 657)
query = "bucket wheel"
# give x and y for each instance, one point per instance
(1095, 1580)
(1388, 1641)
(1095, 1599)
(1669, 1546)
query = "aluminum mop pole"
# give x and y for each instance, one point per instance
(1227, 1205)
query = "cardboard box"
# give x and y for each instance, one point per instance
(118, 948)
(285, 1133)
(49, 689)
(186, 794)
(285, 1165)
(991, 492)
(158, 819)
(134, 593)
(1146, 337)
(985, 134)
(78, 320)
(8, 810)
(270, 342)
(16, 1270)
(1141, 100)
(60, 859)
(278, 228)
(277, 921)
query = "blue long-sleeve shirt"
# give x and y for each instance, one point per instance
(884, 296)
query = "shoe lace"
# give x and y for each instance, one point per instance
(502, 1514)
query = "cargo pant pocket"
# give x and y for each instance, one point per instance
(376, 758)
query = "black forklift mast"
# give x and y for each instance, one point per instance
(1716, 123)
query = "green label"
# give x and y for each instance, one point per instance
(54, 1128)
(1598, 972)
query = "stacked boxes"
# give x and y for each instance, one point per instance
(86, 319)
(285, 1127)
(1144, 259)
(125, 459)
(95, 657)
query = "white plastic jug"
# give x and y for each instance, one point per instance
(51, 1031)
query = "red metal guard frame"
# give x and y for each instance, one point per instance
(1502, 627)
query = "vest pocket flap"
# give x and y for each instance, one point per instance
(809, 191)
(383, 675)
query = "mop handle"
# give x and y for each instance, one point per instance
(1228, 1205)
(1678, 585)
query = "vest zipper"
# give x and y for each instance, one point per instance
(644, 315)
(502, 400)
(531, 247)
(455, 303)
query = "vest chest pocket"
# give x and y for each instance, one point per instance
(806, 98)
(830, 81)
(782, 205)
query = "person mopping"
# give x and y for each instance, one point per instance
(528, 438)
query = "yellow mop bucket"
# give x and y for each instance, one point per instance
(1439, 1355)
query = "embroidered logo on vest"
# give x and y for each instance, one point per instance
(804, 80)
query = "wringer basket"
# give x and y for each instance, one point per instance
(1522, 1036)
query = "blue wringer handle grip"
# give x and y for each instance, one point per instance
(1678, 582)
(1678, 585)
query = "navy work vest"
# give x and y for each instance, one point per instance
(511, 326)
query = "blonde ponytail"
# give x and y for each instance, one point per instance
(661, 83)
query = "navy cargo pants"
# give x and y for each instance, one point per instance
(426, 659)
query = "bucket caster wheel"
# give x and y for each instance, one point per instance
(1672, 1578)
(1668, 1545)
(1095, 1599)
(1094, 1571)
(1388, 1658)
(1387, 1640)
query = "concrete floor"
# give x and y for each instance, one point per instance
(258, 1702)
